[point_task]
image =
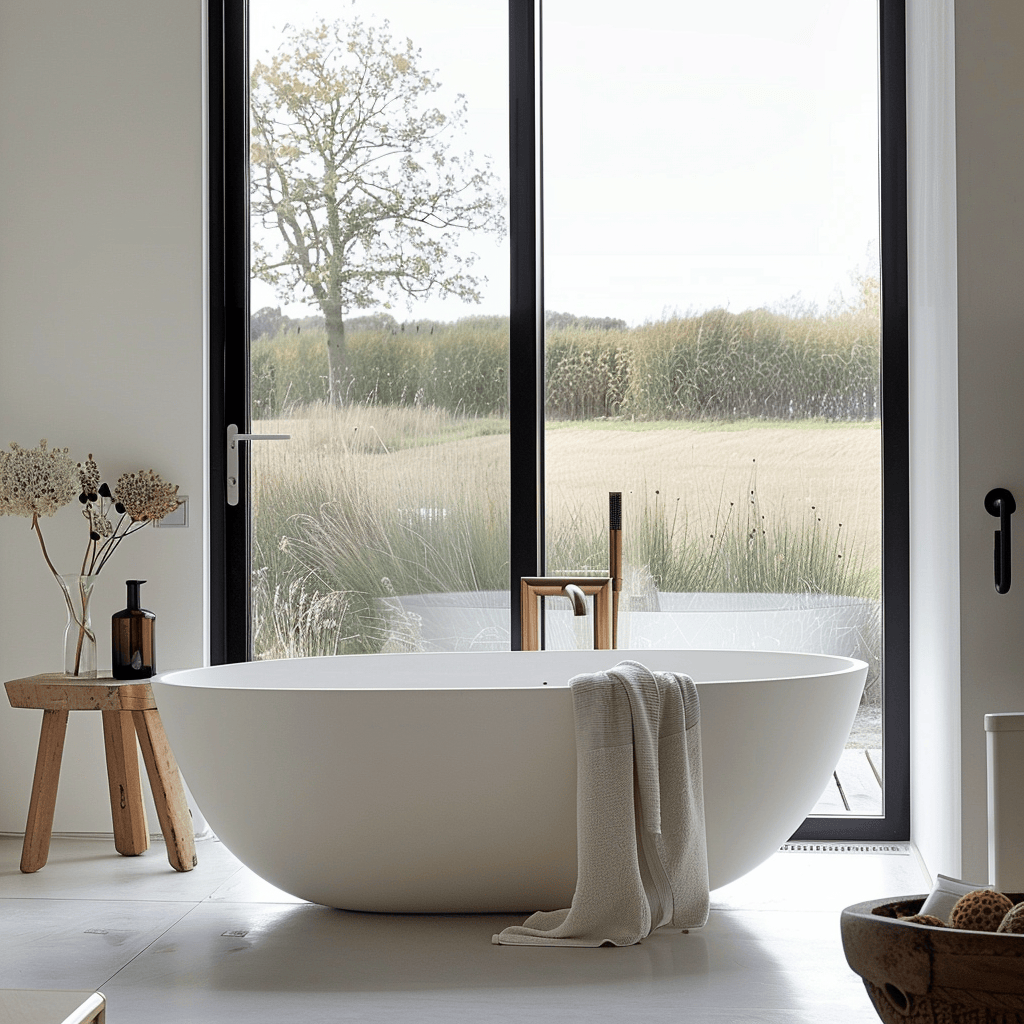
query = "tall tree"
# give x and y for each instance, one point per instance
(353, 178)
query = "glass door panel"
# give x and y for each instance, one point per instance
(379, 326)
(712, 329)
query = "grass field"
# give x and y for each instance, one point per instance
(368, 501)
(824, 476)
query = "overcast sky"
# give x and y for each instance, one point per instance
(696, 155)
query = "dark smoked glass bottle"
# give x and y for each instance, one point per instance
(133, 631)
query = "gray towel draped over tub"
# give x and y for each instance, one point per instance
(641, 850)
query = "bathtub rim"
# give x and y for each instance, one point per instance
(817, 666)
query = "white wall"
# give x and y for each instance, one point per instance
(967, 270)
(101, 331)
(101, 349)
(990, 327)
(934, 550)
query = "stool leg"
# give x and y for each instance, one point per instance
(44, 791)
(127, 811)
(168, 793)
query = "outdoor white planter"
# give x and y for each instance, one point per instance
(811, 623)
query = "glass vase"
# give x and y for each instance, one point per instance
(79, 637)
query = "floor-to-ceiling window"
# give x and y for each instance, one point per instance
(487, 266)
(378, 326)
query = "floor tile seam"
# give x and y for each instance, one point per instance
(150, 944)
(156, 838)
(239, 870)
(304, 904)
(190, 903)
(223, 882)
(209, 902)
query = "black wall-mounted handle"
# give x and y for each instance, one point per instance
(999, 502)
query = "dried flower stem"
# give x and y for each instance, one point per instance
(42, 543)
(101, 554)
(83, 630)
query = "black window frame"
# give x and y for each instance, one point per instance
(228, 226)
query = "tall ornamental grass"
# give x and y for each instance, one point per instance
(743, 546)
(754, 365)
(716, 365)
(461, 368)
(367, 502)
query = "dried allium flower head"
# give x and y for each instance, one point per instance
(36, 481)
(145, 496)
(89, 474)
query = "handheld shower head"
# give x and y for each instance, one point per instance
(615, 510)
(615, 557)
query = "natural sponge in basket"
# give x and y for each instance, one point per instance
(981, 910)
(1014, 921)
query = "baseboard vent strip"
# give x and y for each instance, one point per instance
(897, 849)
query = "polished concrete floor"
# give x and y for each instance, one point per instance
(220, 945)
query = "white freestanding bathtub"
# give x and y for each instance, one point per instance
(447, 782)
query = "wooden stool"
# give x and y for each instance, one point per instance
(128, 709)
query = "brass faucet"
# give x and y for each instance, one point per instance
(577, 589)
(577, 597)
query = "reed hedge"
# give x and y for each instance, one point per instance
(716, 365)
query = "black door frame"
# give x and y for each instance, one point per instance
(895, 387)
(230, 628)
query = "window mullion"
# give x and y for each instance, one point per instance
(526, 308)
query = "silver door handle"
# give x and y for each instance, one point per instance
(233, 438)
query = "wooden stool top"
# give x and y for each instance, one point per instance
(55, 691)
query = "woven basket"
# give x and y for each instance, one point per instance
(923, 974)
